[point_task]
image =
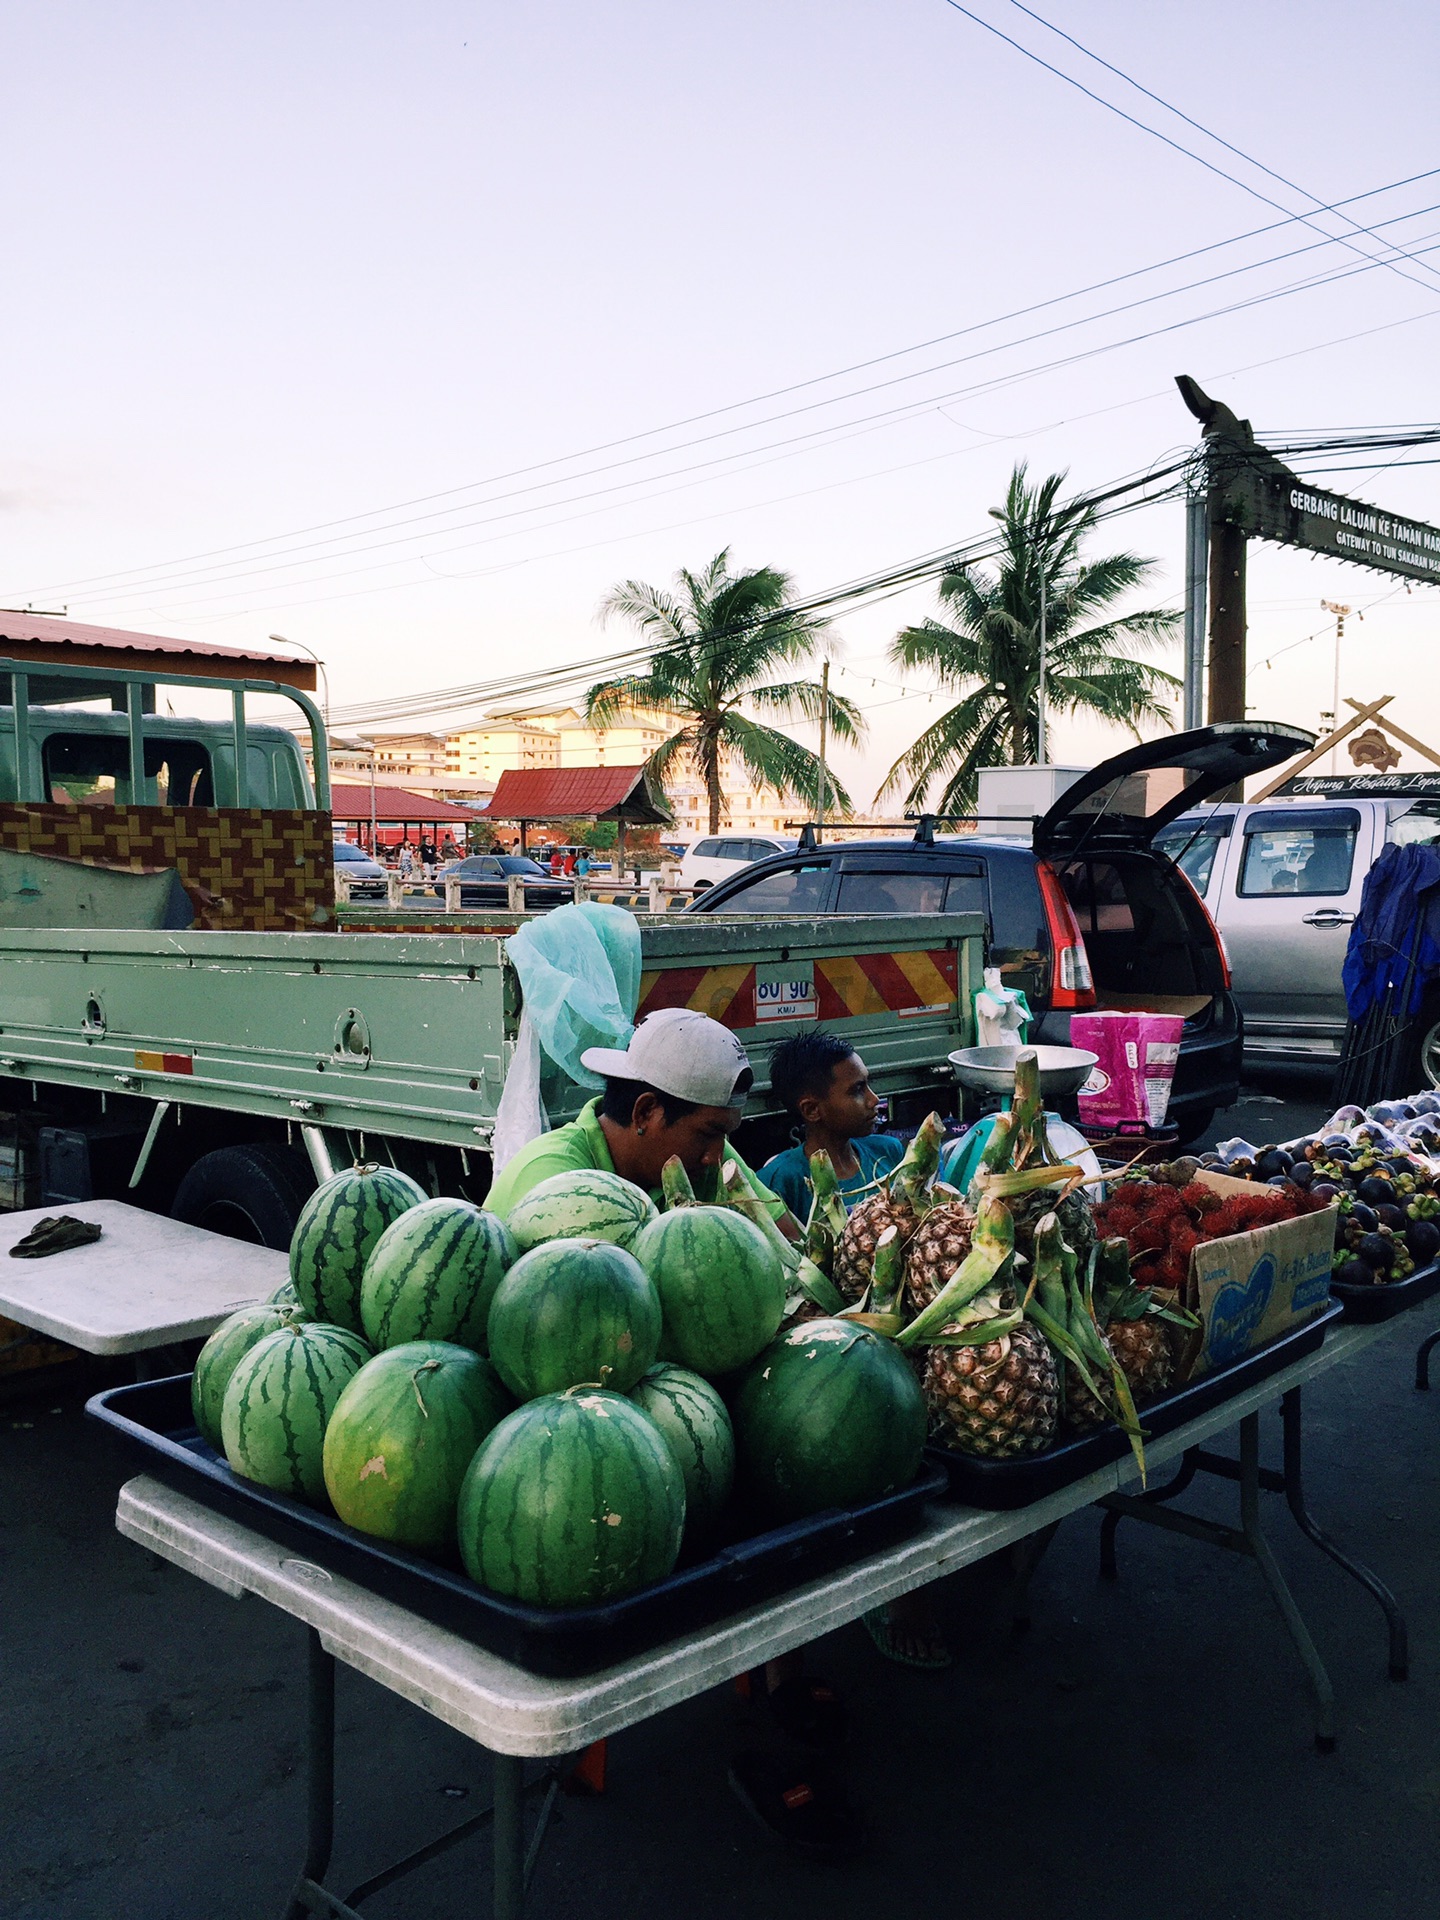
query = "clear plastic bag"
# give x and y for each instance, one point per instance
(579, 971)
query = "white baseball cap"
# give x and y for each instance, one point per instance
(680, 1052)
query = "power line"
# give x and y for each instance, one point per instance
(893, 415)
(1229, 145)
(55, 588)
(1156, 134)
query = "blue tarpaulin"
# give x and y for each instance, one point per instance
(1398, 925)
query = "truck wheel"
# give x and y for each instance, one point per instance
(1424, 1047)
(251, 1193)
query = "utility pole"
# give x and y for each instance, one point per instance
(1040, 697)
(1227, 622)
(824, 723)
(1197, 534)
(1334, 606)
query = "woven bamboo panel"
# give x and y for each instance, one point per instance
(244, 868)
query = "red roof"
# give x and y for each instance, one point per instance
(393, 804)
(574, 793)
(40, 636)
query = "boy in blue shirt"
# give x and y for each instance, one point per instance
(823, 1083)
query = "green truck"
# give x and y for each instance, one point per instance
(184, 1023)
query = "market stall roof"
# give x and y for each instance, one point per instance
(392, 804)
(576, 793)
(43, 637)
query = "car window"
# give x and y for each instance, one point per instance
(1304, 855)
(705, 849)
(1097, 893)
(489, 866)
(1418, 825)
(965, 893)
(516, 863)
(1019, 941)
(1193, 848)
(799, 889)
(881, 892)
(95, 768)
(735, 850)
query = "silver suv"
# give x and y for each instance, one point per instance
(1282, 879)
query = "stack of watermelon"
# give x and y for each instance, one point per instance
(537, 1395)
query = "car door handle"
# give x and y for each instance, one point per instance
(1328, 917)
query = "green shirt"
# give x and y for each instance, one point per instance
(581, 1143)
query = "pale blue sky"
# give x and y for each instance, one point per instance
(273, 265)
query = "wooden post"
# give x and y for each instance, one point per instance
(1226, 689)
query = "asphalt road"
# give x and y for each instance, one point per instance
(1146, 1749)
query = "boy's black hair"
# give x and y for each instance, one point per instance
(617, 1103)
(806, 1064)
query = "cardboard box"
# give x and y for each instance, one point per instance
(1250, 1288)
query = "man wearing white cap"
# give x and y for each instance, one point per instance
(678, 1089)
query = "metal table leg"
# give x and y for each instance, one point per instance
(1248, 1539)
(1291, 1417)
(1422, 1362)
(320, 1790)
(1110, 1519)
(509, 1839)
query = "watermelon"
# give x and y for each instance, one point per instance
(721, 1286)
(402, 1435)
(573, 1313)
(285, 1296)
(338, 1226)
(585, 1204)
(573, 1499)
(220, 1356)
(830, 1415)
(279, 1399)
(433, 1273)
(692, 1418)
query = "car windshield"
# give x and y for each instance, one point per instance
(346, 850)
(514, 863)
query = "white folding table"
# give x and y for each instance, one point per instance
(147, 1282)
(517, 1715)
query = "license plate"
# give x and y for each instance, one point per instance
(785, 993)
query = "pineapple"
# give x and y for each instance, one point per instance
(900, 1203)
(1143, 1350)
(1082, 1410)
(936, 1249)
(999, 1400)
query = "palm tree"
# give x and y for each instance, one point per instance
(715, 641)
(989, 643)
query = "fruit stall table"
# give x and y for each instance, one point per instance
(519, 1716)
(147, 1282)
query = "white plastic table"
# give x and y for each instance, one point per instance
(148, 1281)
(518, 1715)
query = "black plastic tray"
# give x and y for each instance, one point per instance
(1383, 1303)
(1003, 1484)
(154, 1423)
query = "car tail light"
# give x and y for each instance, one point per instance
(1072, 986)
(1210, 922)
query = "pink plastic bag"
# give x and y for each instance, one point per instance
(1136, 1055)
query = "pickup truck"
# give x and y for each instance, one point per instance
(184, 1023)
(1282, 879)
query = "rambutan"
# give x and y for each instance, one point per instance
(1199, 1198)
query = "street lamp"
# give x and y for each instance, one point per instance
(281, 640)
(1039, 552)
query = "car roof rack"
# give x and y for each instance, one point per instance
(923, 824)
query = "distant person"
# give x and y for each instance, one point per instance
(569, 866)
(825, 1088)
(557, 862)
(407, 860)
(582, 865)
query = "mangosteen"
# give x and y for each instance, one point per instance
(1422, 1239)
(1184, 1170)
(1272, 1161)
(1426, 1103)
(1406, 1110)
(1392, 1217)
(1377, 1251)
(1347, 1117)
(1375, 1191)
(1325, 1190)
(1301, 1173)
(1333, 1139)
(1364, 1217)
(1342, 1156)
(1278, 1180)
(1355, 1273)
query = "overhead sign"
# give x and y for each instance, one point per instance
(1269, 501)
(1379, 786)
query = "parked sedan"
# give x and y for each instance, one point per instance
(485, 881)
(366, 877)
(1082, 912)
